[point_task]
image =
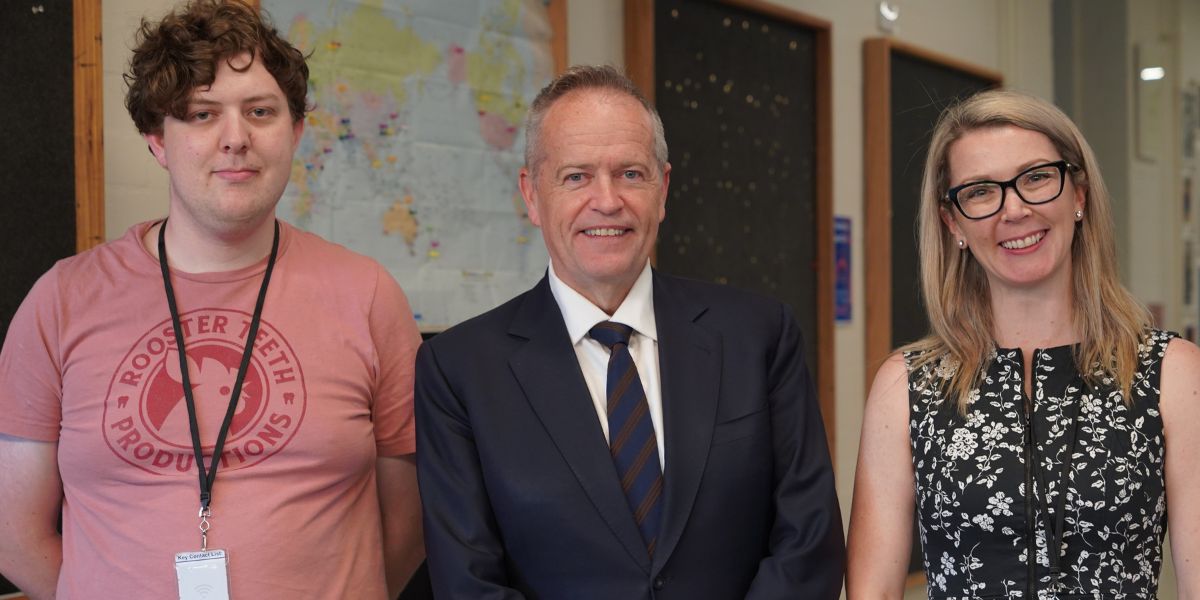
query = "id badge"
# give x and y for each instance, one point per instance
(202, 575)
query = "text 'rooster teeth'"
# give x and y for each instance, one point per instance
(605, 232)
(1024, 242)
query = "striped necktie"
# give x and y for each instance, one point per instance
(630, 432)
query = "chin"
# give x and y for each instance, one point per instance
(1026, 279)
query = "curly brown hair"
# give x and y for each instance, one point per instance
(180, 53)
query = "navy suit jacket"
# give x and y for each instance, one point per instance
(520, 494)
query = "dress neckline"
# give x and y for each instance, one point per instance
(1054, 352)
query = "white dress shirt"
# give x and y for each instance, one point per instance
(636, 311)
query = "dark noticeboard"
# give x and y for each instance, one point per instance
(742, 89)
(906, 89)
(51, 166)
(37, 217)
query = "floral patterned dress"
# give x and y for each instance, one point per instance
(984, 507)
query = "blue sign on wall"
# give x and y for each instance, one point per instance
(841, 261)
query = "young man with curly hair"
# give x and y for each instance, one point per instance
(216, 388)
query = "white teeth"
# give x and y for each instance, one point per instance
(604, 231)
(1024, 242)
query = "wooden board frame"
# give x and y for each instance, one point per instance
(89, 125)
(877, 196)
(877, 184)
(639, 65)
(557, 10)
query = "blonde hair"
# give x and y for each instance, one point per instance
(955, 288)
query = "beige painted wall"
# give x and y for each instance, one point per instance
(135, 187)
(1153, 226)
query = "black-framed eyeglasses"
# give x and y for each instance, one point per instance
(1036, 185)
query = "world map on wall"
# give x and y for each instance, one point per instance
(412, 151)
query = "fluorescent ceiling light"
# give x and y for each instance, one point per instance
(1153, 73)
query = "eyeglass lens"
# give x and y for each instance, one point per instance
(1035, 186)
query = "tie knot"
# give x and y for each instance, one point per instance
(611, 333)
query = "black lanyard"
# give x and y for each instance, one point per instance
(209, 476)
(1054, 530)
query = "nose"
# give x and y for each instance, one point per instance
(235, 135)
(606, 197)
(1014, 208)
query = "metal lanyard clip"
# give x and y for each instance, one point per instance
(205, 514)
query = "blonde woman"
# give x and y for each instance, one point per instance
(1043, 431)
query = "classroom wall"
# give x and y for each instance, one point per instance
(135, 187)
(1011, 36)
(1014, 37)
(1151, 210)
(1006, 35)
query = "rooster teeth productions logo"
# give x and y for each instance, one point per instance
(145, 414)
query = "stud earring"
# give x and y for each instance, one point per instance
(962, 244)
(1079, 215)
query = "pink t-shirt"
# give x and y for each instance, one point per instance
(90, 363)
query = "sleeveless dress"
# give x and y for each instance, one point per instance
(989, 487)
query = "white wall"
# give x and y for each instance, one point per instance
(1152, 158)
(135, 187)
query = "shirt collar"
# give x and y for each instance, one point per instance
(580, 315)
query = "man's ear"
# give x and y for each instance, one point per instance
(297, 133)
(666, 184)
(157, 147)
(529, 194)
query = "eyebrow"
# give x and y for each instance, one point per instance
(251, 100)
(1025, 166)
(574, 167)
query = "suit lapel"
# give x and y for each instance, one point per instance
(689, 360)
(549, 374)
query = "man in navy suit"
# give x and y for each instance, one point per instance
(615, 433)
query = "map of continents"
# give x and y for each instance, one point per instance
(412, 151)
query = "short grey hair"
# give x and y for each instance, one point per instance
(586, 77)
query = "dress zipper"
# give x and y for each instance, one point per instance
(1030, 546)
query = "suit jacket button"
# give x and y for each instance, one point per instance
(659, 582)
